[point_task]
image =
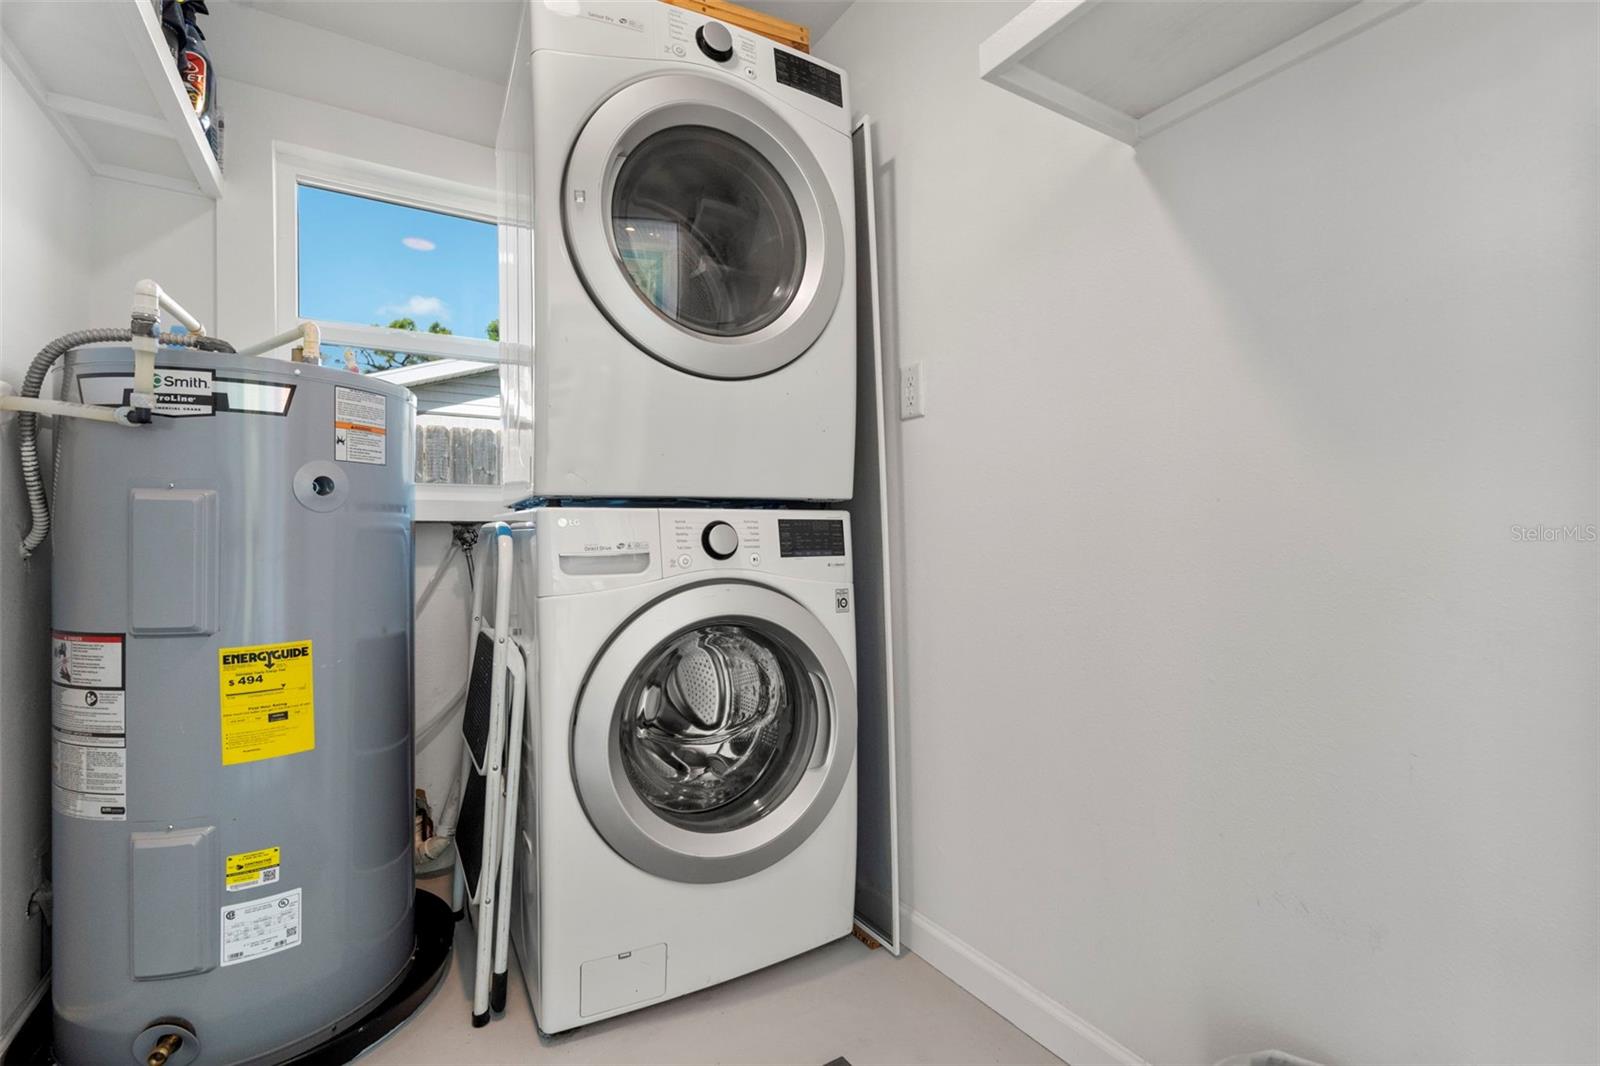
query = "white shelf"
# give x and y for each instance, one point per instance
(102, 71)
(1130, 69)
(458, 503)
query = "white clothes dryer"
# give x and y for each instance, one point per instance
(679, 301)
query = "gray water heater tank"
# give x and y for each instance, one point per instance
(231, 658)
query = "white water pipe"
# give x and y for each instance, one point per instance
(41, 406)
(307, 333)
(149, 300)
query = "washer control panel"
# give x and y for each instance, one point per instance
(810, 537)
(720, 540)
(795, 543)
(587, 549)
(715, 41)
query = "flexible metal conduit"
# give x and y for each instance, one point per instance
(28, 421)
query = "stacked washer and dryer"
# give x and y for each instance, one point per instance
(679, 324)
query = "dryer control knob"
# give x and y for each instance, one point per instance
(720, 540)
(715, 41)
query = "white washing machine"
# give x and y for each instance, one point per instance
(688, 791)
(679, 300)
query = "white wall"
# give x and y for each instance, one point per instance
(252, 45)
(44, 263)
(1238, 715)
(141, 232)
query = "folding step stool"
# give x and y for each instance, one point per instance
(490, 755)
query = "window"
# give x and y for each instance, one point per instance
(405, 267)
(401, 272)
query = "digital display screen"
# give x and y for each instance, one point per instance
(809, 77)
(802, 537)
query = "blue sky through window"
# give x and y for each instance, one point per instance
(370, 262)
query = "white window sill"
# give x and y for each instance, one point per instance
(438, 502)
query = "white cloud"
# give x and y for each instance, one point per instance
(418, 307)
(418, 244)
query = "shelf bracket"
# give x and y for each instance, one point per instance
(108, 115)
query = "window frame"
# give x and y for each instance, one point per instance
(294, 166)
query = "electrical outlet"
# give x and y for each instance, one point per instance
(913, 394)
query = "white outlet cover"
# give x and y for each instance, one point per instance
(913, 392)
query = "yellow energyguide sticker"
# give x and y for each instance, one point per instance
(268, 704)
(251, 868)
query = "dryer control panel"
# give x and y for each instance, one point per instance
(809, 77)
(677, 36)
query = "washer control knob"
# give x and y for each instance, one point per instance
(720, 540)
(715, 41)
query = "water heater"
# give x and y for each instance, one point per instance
(231, 658)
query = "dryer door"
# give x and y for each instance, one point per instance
(714, 732)
(703, 226)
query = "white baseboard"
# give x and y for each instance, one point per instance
(21, 1017)
(1060, 1031)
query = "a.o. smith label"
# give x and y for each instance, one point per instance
(187, 393)
(181, 392)
(184, 393)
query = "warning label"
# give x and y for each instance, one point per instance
(360, 426)
(90, 780)
(89, 728)
(252, 869)
(268, 703)
(89, 712)
(86, 660)
(94, 808)
(260, 927)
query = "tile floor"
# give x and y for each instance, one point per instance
(840, 1000)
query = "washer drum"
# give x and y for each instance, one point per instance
(231, 719)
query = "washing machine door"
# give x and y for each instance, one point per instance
(714, 732)
(703, 226)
